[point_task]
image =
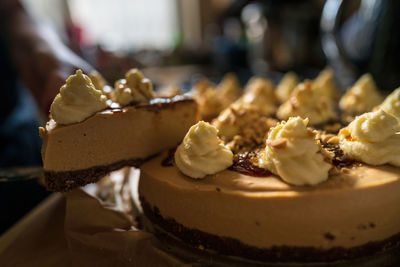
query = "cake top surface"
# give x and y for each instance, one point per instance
(83, 96)
(285, 129)
(356, 177)
(154, 105)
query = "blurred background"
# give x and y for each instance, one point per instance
(247, 37)
(175, 42)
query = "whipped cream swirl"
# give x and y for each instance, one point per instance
(229, 89)
(135, 88)
(362, 97)
(98, 80)
(202, 152)
(306, 102)
(286, 86)
(293, 153)
(372, 138)
(226, 122)
(391, 104)
(325, 85)
(259, 95)
(78, 99)
(207, 98)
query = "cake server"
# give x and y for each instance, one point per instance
(12, 174)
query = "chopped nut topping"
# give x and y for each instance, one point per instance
(311, 132)
(278, 143)
(250, 126)
(328, 155)
(333, 128)
(326, 137)
(346, 170)
(334, 171)
(334, 140)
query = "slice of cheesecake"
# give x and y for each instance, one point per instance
(75, 154)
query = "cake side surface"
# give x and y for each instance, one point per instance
(347, 211)
(112, 139)
(170, 231)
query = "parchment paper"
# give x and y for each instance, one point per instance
(102, 232)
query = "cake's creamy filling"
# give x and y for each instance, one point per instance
(292, 152)
(78, 99)
(286, 86)
(202, 152)
(306, 102)
(372, 138)
(362, 97)
(135, 88)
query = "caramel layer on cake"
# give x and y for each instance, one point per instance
(81, 153)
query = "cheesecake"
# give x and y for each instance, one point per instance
(301, 195)
(261, 182)
(304, 197)
(90, 135)
(256, 215)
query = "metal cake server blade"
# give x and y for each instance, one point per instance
(13, 174)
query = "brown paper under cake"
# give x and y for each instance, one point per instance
(100, 233)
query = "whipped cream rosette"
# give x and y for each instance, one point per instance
(306, 102)
(362, 97)
(202, 152)
(135, 88)
(372, 138)
(293, 153)
(77, 100)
